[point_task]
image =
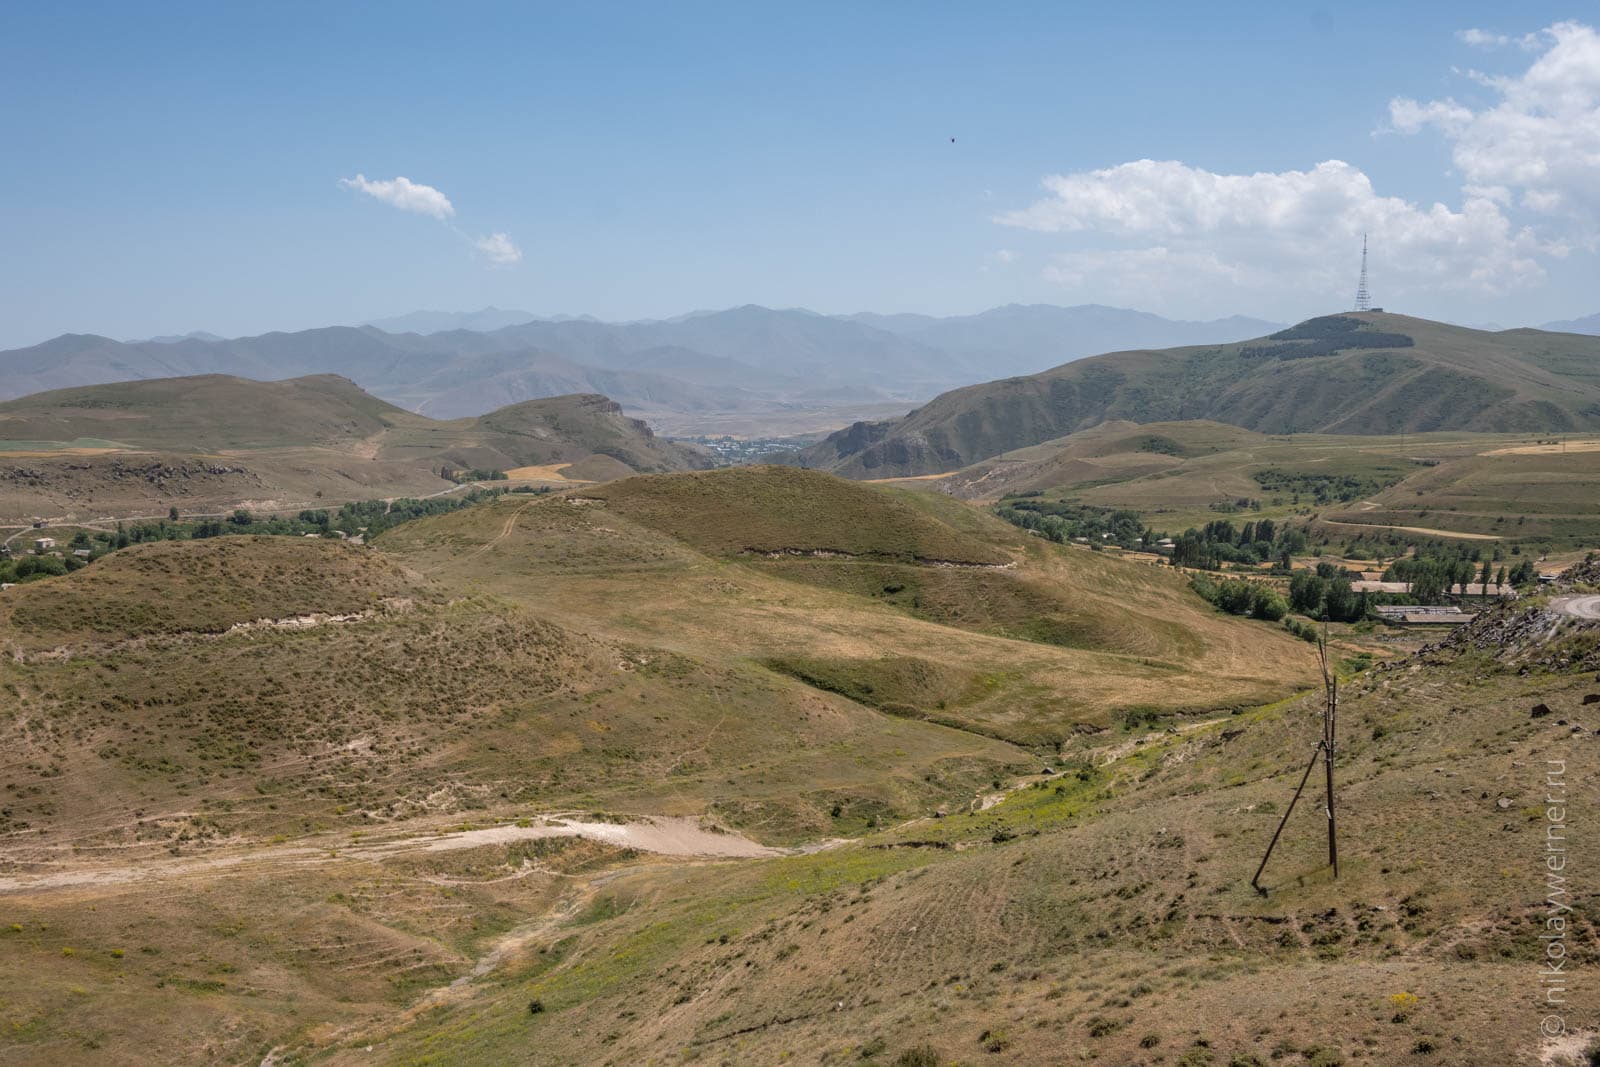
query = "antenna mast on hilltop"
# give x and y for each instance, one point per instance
(1363, 298)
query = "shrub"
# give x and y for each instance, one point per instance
(920, 1056)
(1402, 1003)
(1267, 603)
(994, 1041)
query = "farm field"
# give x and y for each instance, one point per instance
(1517, 488)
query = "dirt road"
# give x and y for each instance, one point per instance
(1579, 607)
(662, 836)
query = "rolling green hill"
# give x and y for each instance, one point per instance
(206, 413)
(784, 510)
(1368, 373)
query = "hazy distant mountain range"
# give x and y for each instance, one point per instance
(490, 318)
(1588, 324)
(746, 359)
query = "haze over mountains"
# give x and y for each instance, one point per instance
(748, 360)
(1587, 324)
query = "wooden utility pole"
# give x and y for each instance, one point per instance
(1330, 721)
(1324, 748)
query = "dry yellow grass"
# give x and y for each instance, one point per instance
(1546, 449)
(549, 472)
(581, 654)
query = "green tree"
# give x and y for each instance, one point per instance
(1305, 593)
(1267, 603)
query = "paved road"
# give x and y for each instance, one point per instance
(1579, 607)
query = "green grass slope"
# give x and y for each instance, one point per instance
(1546, 493)
(1367, 373)
(207, 413)
(786, 510)
(821, 578)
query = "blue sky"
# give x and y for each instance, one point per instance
(168, 167)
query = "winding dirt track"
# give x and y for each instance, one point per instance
(1579, 607)
(662, 836)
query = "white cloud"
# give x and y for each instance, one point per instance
(496, 248)
(499, 249)
(1476, 38)
(1408, 116)
(404, 194)
(1174, 228)
(1527, 155)
(1482, 38)
(1538, 138)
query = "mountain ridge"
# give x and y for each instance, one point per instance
(753, 358)
(1346, 373)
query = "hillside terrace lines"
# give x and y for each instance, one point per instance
(828, 553)
(308, 621)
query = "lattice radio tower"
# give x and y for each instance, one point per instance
(1363, 298)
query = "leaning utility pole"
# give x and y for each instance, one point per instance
(1324, 748)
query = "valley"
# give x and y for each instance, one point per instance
(674, 745)
(535, 737)
(844, 535)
